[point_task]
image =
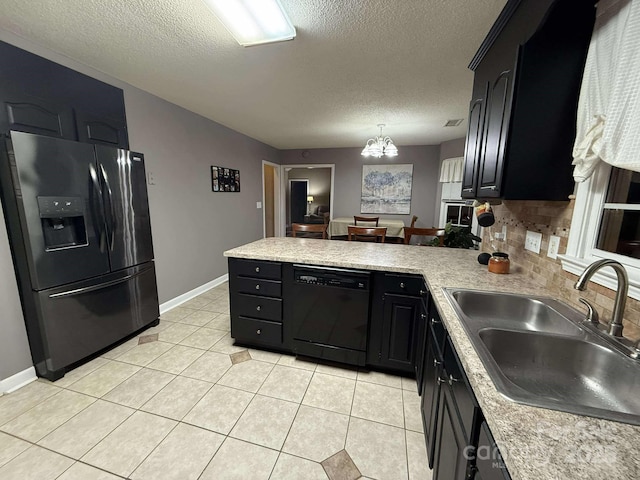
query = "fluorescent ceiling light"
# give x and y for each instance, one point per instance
(254, 22)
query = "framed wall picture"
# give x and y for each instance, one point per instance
(386, 189)
(225, 179)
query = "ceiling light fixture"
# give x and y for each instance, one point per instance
(254, 22)
(379, 146)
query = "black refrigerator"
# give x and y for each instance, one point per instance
(77, 215)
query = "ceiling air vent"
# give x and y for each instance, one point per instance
(453, 123)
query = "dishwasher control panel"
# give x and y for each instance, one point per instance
(332, 279)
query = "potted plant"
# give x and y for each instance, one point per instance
(459, 237)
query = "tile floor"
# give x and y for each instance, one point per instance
(180, 401)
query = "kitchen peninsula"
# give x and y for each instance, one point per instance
(535, 443)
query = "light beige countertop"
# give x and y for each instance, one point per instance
(537, 444)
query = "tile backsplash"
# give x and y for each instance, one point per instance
(551, 218)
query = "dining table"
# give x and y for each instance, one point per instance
(338, 226)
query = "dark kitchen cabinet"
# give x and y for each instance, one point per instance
(488, 463)
(395, 322)
(421, 337)
(527, 76)
(255, 299)
(43, 97)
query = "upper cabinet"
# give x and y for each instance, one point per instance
(522, 114)
(43, 97)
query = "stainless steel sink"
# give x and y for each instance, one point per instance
(537, 353)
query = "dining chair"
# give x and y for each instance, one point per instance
(310, 230)
(413, 221)
(366, 220)
(367, 234)
(424, 232)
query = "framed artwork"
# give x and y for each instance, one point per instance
(225, 179)
(386, 189)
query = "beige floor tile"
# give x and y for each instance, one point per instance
(205, 338)
(265, 355)
(10, 447)
(84, 431)
(238, 460)
(18, 402)
(409, 384)
(209, 367)
(220, 322)
(378, 403)
(380, 378)
(196, 303)
(35, 463)
(104, 379)
(177, 398)
(379, 451)
(219, 305)
(341, 467)
(213, 293)
(289, 467)
(177, 332)
(412, 412)
(144, 354)
(296, 362)
(417, 457)
(139, 388)
(266, 422)
(248, 376)
(176, 313)
(337, 370)
(330, 393)
(286, 383)
(80, 471)
(226, 345)
(176, 360)
(120, 349)
(219, 409)
(47, 416)
(316, 434)
(83, 370)
(198, 318)
(130, 443)
(182, 455)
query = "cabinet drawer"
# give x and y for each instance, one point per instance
(258, 286)
(258, 269)
(264, 308)
(403, 284)
(257, 331)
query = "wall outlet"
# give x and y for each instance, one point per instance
(152, 178)
(532, 241)
(554, 246)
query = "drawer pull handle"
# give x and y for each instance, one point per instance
(436, 362)
(423, 316)
(441, 380)
(435, 322)
(453, 379)
(258, 308)
(259, 332)
(423, 292)
(401, 284)
(257, 287)
(257, 269)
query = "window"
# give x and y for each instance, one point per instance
(606, 224)
(459, 215)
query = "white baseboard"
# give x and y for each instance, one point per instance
(174, 302)
(18, 380)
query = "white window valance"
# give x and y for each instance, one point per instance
(608, 121)
(451, 170)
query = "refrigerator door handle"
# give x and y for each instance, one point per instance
(96, 207)
(79, 291)
(111, 223)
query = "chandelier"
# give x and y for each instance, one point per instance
(379, 146)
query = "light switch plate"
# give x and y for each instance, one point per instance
(258, 204)
(554, 246)
(532, 241)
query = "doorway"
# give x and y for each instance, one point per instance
(316, 202)
(271, 211)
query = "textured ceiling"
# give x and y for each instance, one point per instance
(353, 64)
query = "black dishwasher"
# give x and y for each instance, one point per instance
(327, 313)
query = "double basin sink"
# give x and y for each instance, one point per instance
(538, 352)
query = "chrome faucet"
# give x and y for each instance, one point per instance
(615, 326)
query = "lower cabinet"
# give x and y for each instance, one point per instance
(488, 463)
(396, 322)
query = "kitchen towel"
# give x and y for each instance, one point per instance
(608, 122)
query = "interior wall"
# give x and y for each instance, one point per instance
(191, 225)
(348, 177)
